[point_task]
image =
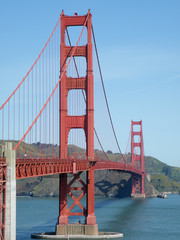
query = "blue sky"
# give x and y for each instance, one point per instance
(139, 49)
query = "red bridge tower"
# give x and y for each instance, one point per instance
(85, 122)
(137, 157)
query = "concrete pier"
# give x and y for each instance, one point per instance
(10, 224)
(101, 235)
(138, 195)
(77, 229)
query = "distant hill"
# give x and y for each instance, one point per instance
(154, 166)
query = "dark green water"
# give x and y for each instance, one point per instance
(143, 219)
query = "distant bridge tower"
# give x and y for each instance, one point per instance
(137, 157)
(85, 122)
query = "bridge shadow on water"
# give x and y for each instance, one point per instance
(119, 215)
(127, 213)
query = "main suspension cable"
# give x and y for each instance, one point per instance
(106, 96)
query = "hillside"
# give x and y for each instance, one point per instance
(164, 184)
(154, 166)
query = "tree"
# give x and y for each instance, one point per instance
(109, 151)
(167, 170)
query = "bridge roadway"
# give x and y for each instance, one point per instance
(26, 168)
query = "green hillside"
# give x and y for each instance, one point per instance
(164, 184)
(163, 177)
(153, 165)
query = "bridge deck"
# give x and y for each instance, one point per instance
(26, 168)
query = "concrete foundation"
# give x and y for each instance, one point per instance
(101, 235)
(10, 224)
(138, 195)
(77, 229)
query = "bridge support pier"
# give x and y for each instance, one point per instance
(10, 224)
(76, 189)
(77, 229)
(138, 186)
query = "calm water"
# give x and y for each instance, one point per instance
(145, 219)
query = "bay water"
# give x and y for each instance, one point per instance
(137, 219)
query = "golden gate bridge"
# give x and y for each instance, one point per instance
(52, 110)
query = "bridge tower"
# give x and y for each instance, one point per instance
(137, 157)
(85, 122)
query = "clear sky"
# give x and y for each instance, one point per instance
(139, 48)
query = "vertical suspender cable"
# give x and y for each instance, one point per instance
(14, 121)
(36, 114)
(43, 80)
(52, 105)
(8, 118)
(3, 126)
(19, 118)
(23, 116)
(28, 109)
(32, 117)
(49, 104)
(40, 107)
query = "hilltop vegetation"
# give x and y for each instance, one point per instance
(164, 184)
(163, 177)
(154, 166)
